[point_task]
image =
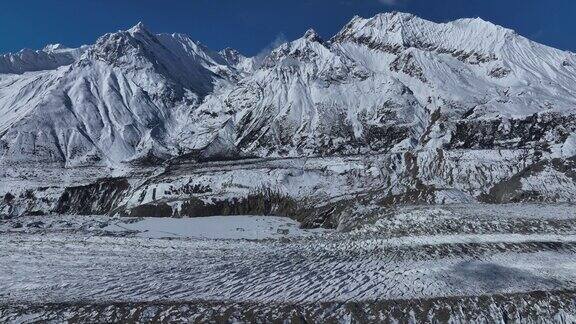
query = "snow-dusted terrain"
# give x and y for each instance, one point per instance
(298, 178)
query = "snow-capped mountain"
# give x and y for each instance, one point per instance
(393, 106)
(394, 81)
(114, 102)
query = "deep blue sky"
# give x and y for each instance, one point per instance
(251, 25)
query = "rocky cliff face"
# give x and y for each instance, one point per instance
(391, 109)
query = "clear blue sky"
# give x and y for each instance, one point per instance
(250, 25)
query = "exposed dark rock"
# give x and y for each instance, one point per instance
(499, 72)
(266, 202)
(529, 132)
(152, 210)
(97, 198)
(8, 198)
(37, 224)
(406, 64)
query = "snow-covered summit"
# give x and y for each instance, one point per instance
(397, 31)
(138, 28)
(244, 65)
(312, 35)
(54, 47)
(231, 55)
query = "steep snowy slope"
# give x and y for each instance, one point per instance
(114, 103)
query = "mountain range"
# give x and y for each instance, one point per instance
(392, 108)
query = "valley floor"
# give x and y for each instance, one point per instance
(442, 263)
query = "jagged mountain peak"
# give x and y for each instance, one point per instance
(303, 49)
(404, 68)
(381, 18)
(134, 40)
(312, 35)
(140, 42)
(48, 58)
(187, 63)
(480, 22)
(231, 55)
(392, 21)
(381, 22)
(141, 31)
(244, 65)
(138, 28)
(230, 51)
(112, 46)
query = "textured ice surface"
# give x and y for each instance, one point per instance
(448, 256)
(210, 259)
